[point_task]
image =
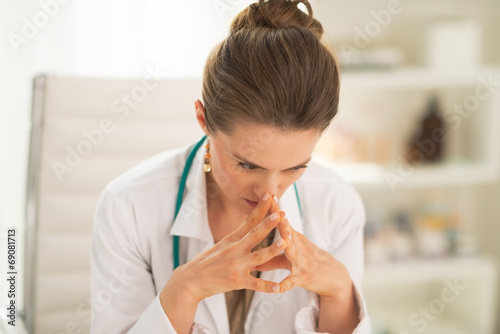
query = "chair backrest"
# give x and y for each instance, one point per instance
(85, 132)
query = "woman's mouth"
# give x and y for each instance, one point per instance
(251, 203)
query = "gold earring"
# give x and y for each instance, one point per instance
(207, 166)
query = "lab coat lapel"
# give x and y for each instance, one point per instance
(192, 224)
(215, 308)
(192, 221)
(288, 203)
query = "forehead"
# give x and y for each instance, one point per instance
(256, 134)
(269, 147)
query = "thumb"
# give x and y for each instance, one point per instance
(289, 282)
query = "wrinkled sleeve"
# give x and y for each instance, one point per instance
(123, 298)
(346, 245)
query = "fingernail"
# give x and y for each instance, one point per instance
(275, 288)
(285, 217)
(274, 216)
(289, 236)
(266, 196)
(280, 242)
(275, 198)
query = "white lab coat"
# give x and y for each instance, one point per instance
(131, 255)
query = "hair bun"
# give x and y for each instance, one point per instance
(277, 14)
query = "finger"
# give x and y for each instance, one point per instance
(258, 284)
(284, 227)
(286, 231)
(274, 205)
(277, 262)
(259, 232)
(255, 217)
(289, 282)
(263, 255)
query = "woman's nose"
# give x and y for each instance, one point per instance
(268, 184)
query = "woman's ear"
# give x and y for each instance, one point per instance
(200, 116)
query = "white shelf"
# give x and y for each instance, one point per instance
(367, 175)
(442, 325)
(424, 271)
(414, 78)
(396, 292)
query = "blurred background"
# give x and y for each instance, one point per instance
(418, 134)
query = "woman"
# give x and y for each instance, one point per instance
(240, 235)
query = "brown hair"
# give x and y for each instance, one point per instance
(272, 69)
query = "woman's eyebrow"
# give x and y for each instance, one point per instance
(255, 165)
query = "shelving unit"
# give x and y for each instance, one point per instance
(386, 107)
(475, 138)
(413, 78)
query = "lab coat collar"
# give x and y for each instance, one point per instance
(192, 219)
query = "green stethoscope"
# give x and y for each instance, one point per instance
(180, 195)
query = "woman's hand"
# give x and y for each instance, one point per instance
(224, 267)
(317, 271)
(311, 267)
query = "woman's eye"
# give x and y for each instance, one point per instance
(296, 169)
(245, 166)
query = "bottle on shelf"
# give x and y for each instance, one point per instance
(427, 144)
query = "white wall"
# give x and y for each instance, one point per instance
(93, 38)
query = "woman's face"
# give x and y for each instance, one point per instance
(254, 160)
